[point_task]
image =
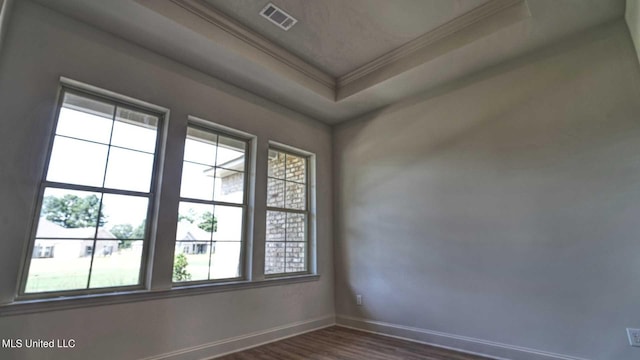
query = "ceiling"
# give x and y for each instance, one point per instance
(343, 58)
(337, 36)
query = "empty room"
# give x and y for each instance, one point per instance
(319, 179)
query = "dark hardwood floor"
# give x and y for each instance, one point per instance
(337, 343)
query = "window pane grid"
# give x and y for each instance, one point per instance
(289, 181)
(212, 202)
(57, 185)
(100, 143)
(229, 169)
(292, 239)
(94, 247)
(212, 205)
(67, 205)
(93, 255)
(213, 166)
(225, 266)
(287, 214)
(104, 179)
(111, 174)
(80, 238)
(210, 256)
(215, 170)
(109, 191)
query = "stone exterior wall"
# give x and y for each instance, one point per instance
(286, 246)
(285, 257)
(232, 183)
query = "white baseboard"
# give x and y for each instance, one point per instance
(227, 346)
(490, 349)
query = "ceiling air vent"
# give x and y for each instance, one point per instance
(278, 17)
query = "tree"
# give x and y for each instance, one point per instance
(138, 233)
(122, 231)
(72, 211)
(180, 272)
(190, 216)
(208, 222)
(126, 233)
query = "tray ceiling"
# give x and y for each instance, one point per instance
(343, 58)
(338, 36)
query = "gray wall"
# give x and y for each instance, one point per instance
(42, 45)
(504, 207)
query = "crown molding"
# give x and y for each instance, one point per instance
(476, 23)
(215, 17)
(445, 30)
(482, 21)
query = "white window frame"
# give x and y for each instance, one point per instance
(88, 91)
(249, 140)
(309, 212)
(155, 284)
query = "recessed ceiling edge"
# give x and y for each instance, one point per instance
(457, 32)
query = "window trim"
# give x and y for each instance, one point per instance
(105, 96)
(207, 126)
(150, 291)
(309, 252)
(41, 305)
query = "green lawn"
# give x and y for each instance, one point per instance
(119, 269)
(222, 266)
(198, 266)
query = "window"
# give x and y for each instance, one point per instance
(94, 229)
(92, 225)
(287, 245)
(42, 252)
(213, 204)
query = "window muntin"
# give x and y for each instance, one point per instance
(211, 216)
(95, 198)
(287, 246)
(98, 123)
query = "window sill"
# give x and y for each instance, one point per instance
(82, 301)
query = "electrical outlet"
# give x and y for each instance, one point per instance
(359, 300)
(634, 336)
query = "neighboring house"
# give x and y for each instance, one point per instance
(192, 239)
(55, 241)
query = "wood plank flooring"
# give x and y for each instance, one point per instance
(337, 343)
